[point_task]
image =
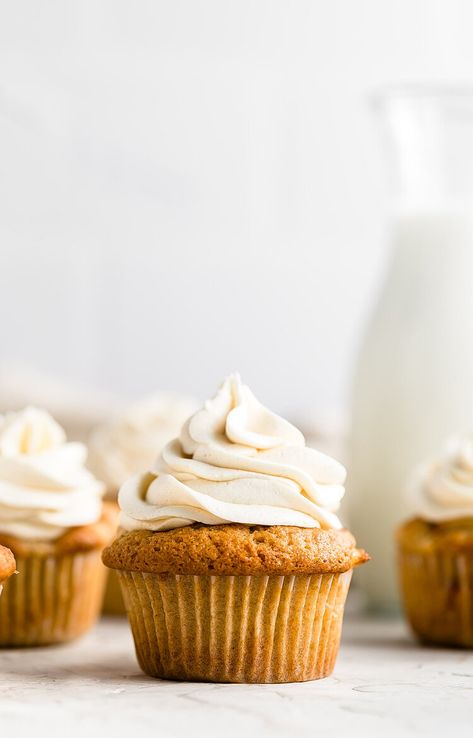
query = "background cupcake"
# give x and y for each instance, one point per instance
(128, 444)
(131, 441)
(435, 549)
(53, 519)
(234, 565)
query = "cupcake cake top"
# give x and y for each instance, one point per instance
(45, 488)
(443, 490)
(130, 442)
(235, 462)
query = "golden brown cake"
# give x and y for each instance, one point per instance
(7, 565)
(235, 549)
(232, 562)
(53, 519)
(435, 549)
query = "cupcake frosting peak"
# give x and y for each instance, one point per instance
(44, 485)
(443, 489)
(235, 461)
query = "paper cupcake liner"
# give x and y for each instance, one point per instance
(437, 589)
(52, 599)
(236, 628)
(113, 599)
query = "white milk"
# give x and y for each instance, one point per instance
(414, 381)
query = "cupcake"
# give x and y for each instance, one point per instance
(435, 549)
(233, 564)
(54, 521)
(7, 565)
(127, 445)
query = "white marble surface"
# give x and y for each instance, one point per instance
(383, 685)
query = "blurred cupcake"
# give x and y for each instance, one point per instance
(435, 549)
(233, 563)
(7, 565)
(131, 441)
(127, 445)
(53, 519)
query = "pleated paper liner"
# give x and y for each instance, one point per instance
(52, 599)
(437, 589)
(263, 629)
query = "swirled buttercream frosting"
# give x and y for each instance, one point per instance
(235, 462)
(45, 488)
(443, 489)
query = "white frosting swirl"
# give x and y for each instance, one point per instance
(235, 462)
(130, 442)
(443, 490)
(44, 485)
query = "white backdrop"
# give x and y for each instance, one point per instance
(191, 187)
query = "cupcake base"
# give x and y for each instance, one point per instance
(53, 599)
(262, 629)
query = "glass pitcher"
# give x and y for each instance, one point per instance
(413, 384)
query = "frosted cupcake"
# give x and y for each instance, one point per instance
(233, 563)
(53, 519)
(7, 565)
(435, 549)
(128, 444)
